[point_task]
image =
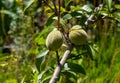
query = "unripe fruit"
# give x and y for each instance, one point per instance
(54, 40)
(78, 36)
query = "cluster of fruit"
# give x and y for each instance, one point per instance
(77, 36)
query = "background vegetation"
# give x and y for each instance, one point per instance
(25, 24)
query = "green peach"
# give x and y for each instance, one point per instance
(54, 40)
(78, 36)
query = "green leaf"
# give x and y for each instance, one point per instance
(29, 3)
(62, 21)
(43, 72)
(7, 3)
(117, 16)
(68, 77)
(109, 4)
(74, 14)
(11, 14)
(40, 40)
(76, 68)
(117, 6)
(42, 54)
(50, 20)
(87, 8)
(67, 2)
(11, 81)
(90, 51)
(41, 37)
(105, 13)
(40, 59)
(46, 79)
(82, 16)
(67, 16)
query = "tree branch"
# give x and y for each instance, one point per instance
(56, 11)
(91, 19)
(70, 47)
(44, 1)
(59, 66)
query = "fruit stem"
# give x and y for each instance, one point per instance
(59, 14)
(57, 56)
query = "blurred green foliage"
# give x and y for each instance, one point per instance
(25, 24)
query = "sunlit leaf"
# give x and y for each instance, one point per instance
(117, 6)
(11, 81)
(105, 13)
(42, 54)
(109, 4)
(87, 8)
(75, 8)
(67, 2)
(40, 40)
